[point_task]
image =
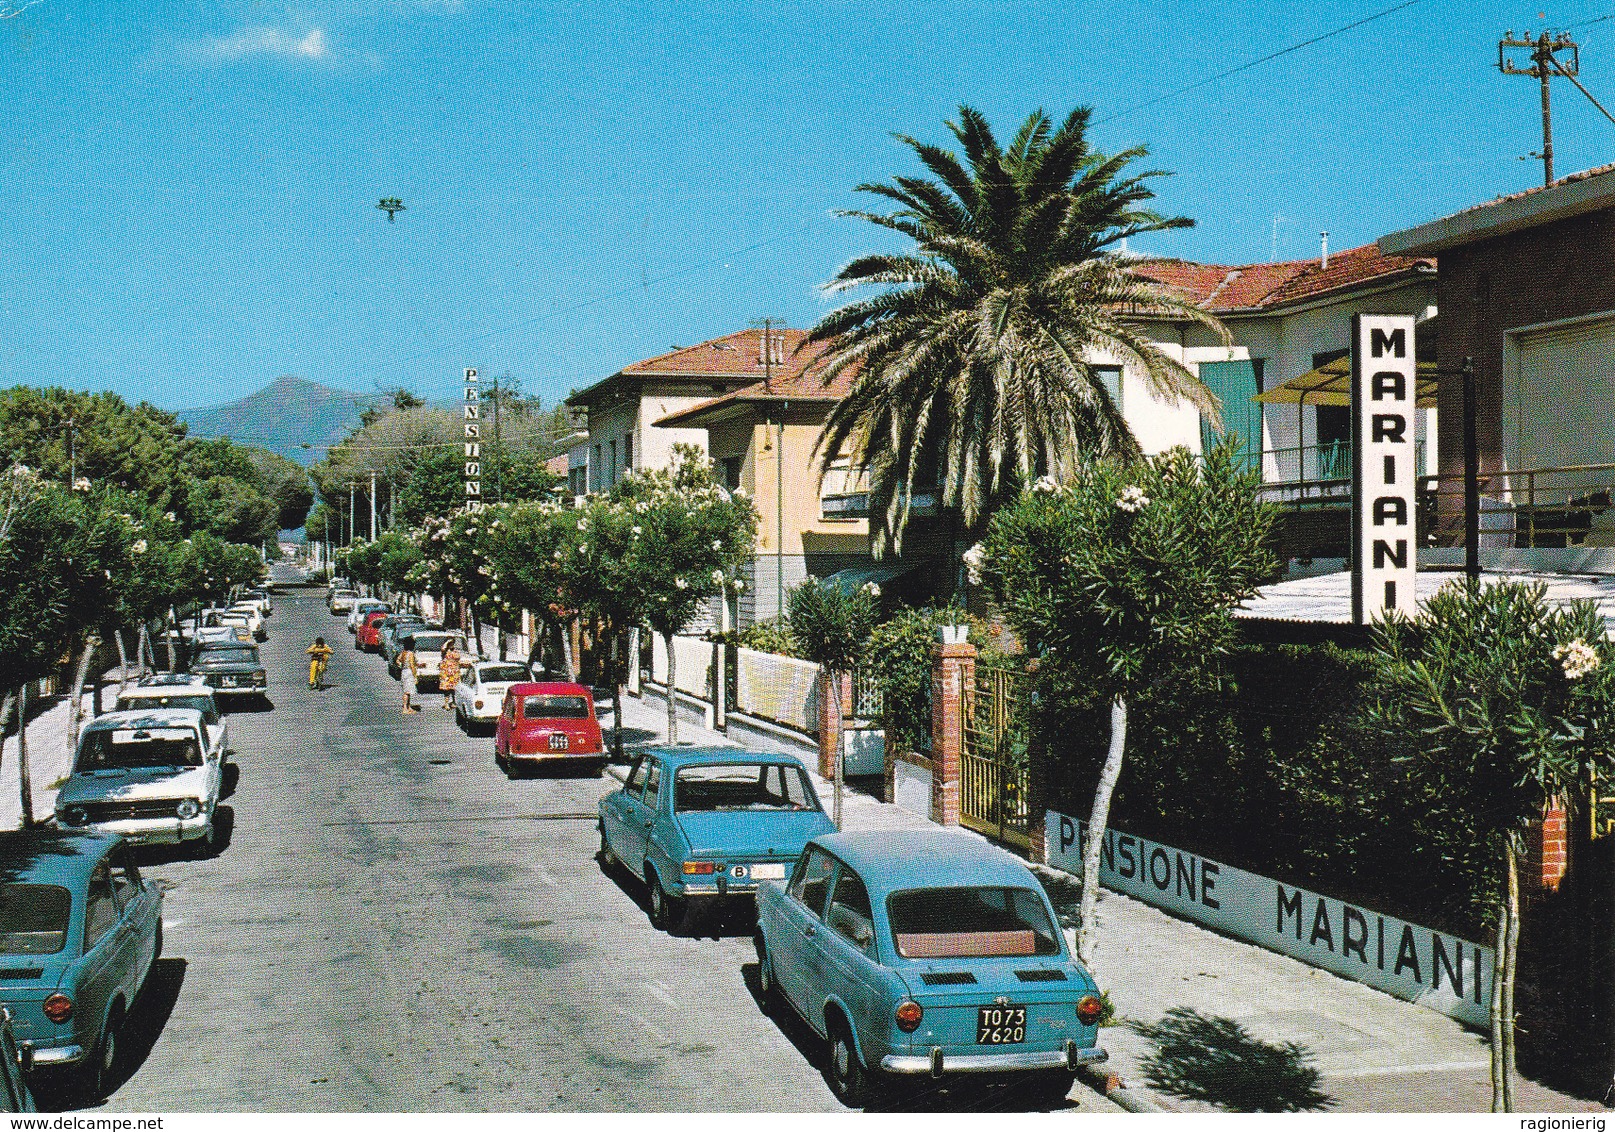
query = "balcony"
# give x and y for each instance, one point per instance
(844, 494)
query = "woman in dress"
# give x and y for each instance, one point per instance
(406, 676)
(448, 673)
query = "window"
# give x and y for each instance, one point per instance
(636, 779)
(1333, 434)
(126, 880)
(1111, 378)
(611, 468)
(748, 786)
(100, 907)
(731, 471)
(948, 923)
(812, 881)
(627, 453)
(1235, 384)
(653, 784)
(33, 918)
(598, 483)
(850, 915)
(555, 707)
(124, 748)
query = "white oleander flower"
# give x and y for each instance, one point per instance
(82, 484)
(583, 548)
(169, 515)
(139, 547)
(738, 584)
(637, 530)
(1577, 658)
(717, 544)
(871, 589)
(681, 583)
(1046, 485)
(717, 577)
(975, 559)
(1133, 499)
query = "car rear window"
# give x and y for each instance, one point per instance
(428, 642)
(503, 674)
(970, 923)
(741, 786)
(555, 707)
(123, 748)
(33, 918)
(147, 702)
(229, 656)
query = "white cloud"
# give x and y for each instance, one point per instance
(250, 42)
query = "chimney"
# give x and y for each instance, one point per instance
(1324, 266)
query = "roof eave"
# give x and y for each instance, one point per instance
(1501, 217)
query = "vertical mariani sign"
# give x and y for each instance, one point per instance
(473, 442)
(1384, 478)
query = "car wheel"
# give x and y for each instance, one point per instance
(607, 857)
(1050, 1088)
(100, 1070)
(666, 912)
(767, 984)
(849, 1080)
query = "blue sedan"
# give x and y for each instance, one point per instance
(699, 824)
(79, 933)
(929, 952)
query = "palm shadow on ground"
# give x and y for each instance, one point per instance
(1216, 1060)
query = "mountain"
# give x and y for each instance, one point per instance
(283, 416)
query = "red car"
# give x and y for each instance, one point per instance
(548, 724)
(367, 637)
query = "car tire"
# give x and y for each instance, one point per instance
(607, 857)
(666, 912)
(767, 984)
(852, 1084)
(1050, 1088)
(101, 1068)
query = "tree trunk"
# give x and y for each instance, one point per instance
(672, 694)
(834, 679)
(75, 705)
(616, 717)
(147, 655)
(1098, 818)
(6, 705)
(1512, 950)
(1500, 1086)
(123, 661)
(23, 780)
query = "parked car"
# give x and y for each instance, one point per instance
(428, 646)
(262, 595)
(479, 697)
(79, 933)
(700, 824)
(15, 1095)
(548, 724)
(181, 690)
(399, 625)
(253, 617)
(231, 669)
(367, 637)
(930, 952)
(148, 776)
(342, 601)
(363, 606)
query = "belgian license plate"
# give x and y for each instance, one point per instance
(557, 742)
(1000, 1025)
(768, 872)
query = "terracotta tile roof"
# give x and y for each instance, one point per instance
(1263, 286)
(739, 354)
(791, 382)
(1584, 175)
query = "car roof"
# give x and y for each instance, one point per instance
(51, 856)
(488, 661)
(146, 717)
(222, 643)
(925, 858)
(675, 757)
(550, 688)
(171, 680)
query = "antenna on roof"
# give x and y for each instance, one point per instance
(1324, 265)
(1273, 251)
(770, 348)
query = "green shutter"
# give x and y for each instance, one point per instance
(1235, 384)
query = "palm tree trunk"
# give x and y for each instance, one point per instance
(1098, 818)
(24, 782)
(75, 705)
(1500, 1086)
(1510, 971)
(672, 690)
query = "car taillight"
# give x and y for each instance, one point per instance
(58, 1007)
(698, 868)
(1089, 1008)
(908, 1016)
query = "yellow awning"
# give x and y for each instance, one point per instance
(1330, 384)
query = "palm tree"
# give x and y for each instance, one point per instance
(977, 361)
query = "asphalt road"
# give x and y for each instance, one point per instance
(396, 926)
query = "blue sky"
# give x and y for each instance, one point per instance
(187, 190)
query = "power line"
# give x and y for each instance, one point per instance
(1196, 85)
(1589, 23)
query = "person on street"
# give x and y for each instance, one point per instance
(319, 652)
(406, 676)
(448, 673)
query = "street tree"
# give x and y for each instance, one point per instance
(831, 626)
(530, 546)
(1123, 576)
(1503, 706)
(975, 363)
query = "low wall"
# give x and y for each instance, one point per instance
(1444, 973)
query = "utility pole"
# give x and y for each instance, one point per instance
(372, 506)
(498, 452)
(767, 325)
(1545, 63)
(351, 486)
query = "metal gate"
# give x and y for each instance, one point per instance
(992, 763)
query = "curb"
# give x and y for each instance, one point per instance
(1110, 1086)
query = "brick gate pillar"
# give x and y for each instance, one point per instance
(1546, 855)
(953, 682)
(831, 723)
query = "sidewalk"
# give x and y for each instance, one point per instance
(49, 759)
(1260, 1021)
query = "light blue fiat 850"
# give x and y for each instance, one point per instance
(926, 952)
(702, 823)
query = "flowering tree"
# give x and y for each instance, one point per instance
(533, 546)
(1513, 708)
(832, 628)
(1125, 575)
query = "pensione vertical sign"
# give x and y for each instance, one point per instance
(473, 441)
(1384, 478)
